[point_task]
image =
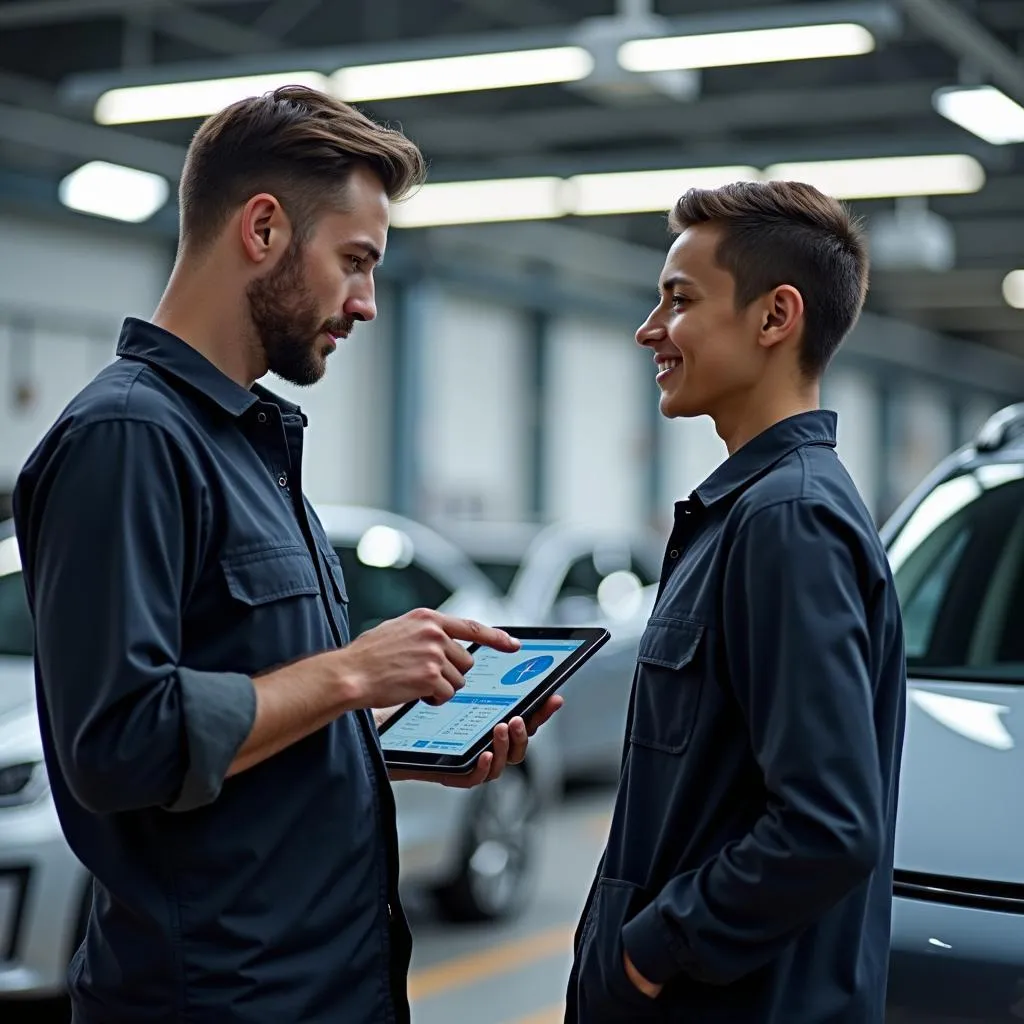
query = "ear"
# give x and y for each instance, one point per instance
(783, 315)
(265, 228)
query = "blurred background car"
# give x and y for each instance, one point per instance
(573, 574)
(957, 550)
(473, 852)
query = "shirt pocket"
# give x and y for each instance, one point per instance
(670, 678)
(261, 576)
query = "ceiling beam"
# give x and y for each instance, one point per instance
(962, 35)
(83, 141)
(210, 32)
(32, 13)
(763, 153)
(713, 117)
(85, 88)
(282, 16)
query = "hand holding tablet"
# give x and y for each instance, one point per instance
(501, 686)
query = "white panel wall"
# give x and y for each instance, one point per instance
(70, 275)
(691, 451)
(597, 452)
(854, 396)
(923, 435)
(474, 442)
(347, 448)
(976, 411)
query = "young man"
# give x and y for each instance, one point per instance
(208, 729)
(748, 872)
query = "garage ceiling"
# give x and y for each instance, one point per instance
(57, 55)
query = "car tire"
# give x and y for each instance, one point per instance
(499, 856)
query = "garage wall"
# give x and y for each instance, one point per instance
(597, 449)
(691, 451)
(348, 439)
(854, 396)
(473, 442)
(64, 291)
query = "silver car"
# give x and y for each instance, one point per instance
(471, 851)
(957, 551)
(568, 574)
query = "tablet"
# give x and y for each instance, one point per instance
(499, 686)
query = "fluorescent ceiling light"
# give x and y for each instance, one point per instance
(468, 73)
(110, 190)
(480, 202)
(171, 100)
(759, 46)
(983, 110)
(644, 191)
(1013, 289)
(887, 177)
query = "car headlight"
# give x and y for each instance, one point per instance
(22, 784)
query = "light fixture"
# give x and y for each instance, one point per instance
(644, 191)
(984, 111)
(468, 73)
(480, 202)
(171, 100)
(110, 190)
(1013, 289)
(758, 46)
(887, 177)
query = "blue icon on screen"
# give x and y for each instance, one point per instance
(527, 670)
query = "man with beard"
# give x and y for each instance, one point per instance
(208, 728)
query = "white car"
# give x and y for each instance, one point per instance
(572, 574)
(471, 850)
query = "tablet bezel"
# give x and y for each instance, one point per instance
(593, 637)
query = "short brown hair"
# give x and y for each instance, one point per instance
(297, 144)
(785, 232)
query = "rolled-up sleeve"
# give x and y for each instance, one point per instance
(109, 546)
(797, 645)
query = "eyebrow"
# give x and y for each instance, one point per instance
(674, 281)
(371, 250)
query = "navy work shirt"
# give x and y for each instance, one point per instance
(749, 863)
(169, 556)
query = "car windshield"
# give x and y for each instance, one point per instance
(15, 620)
(958, 563)
(501, 572)
(379, 592)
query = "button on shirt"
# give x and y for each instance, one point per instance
(749, 862)
(169, 556)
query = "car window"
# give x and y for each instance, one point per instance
(958, 564)
(500, 573)
(377, 593)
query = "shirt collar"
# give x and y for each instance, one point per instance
(159, 348)
(763, 451)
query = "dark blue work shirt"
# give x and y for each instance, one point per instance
(749, 863)
(169, 556)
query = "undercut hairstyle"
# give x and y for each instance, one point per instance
(785, 232)
(295, 143)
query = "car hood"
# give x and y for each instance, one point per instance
(963, 759)
(19, 726)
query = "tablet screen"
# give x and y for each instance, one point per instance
(495, 683)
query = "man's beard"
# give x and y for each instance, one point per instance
(288, 324)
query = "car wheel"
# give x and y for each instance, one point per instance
(498, 862)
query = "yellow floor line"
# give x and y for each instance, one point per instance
(501, 959)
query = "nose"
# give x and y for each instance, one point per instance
(651, 331)
(361, 303)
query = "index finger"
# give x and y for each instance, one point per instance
(478, 633)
